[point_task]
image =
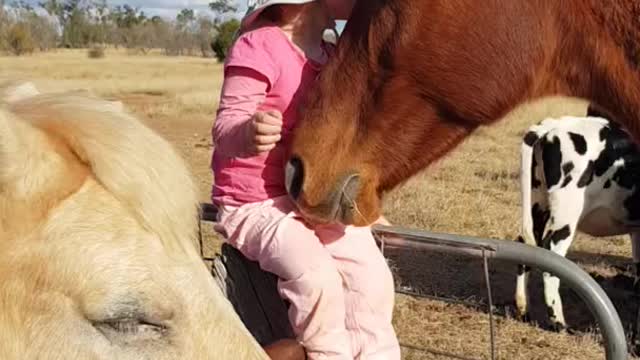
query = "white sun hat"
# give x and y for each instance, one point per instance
(255, 7)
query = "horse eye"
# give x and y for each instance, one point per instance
(128, 330)
(134, 326)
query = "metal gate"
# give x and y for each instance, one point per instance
(570, 274)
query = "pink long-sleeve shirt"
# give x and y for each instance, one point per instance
(264, 70)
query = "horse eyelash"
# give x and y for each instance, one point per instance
(134, 326)
(125, 326)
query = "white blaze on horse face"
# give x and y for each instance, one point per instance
(98, 259)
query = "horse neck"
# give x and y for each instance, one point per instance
(597, 58)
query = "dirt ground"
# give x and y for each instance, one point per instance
(473, 191)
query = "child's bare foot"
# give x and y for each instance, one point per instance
(286, 349)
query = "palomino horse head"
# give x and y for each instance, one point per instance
(411, 79)
(97, 227)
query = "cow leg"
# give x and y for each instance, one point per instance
(535, 215)
(635, 251)
(558, 238)
(522, 299)
(531, 235)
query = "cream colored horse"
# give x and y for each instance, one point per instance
(97, 227)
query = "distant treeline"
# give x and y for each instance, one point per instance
(56, 24)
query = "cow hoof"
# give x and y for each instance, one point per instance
(557, 327)
(634, 348)
(286, 349)
(524, 317)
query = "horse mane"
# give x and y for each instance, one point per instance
(137, 166)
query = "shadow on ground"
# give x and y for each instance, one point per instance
(461, 278)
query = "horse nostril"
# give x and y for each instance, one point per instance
(294, 177)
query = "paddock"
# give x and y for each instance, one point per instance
(474, 191)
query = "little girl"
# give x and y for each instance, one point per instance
(337, 282)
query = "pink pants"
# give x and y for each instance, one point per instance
(337, 281)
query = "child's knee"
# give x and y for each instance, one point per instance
(322, 283)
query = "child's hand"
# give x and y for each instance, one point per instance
(265, 131)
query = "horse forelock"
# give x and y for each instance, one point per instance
(365, 59)
(138, 167)
(374, 51)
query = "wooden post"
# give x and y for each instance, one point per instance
(252, 291)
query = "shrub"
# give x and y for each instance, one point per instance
(96, 52)
(19, 39)
(224, 39)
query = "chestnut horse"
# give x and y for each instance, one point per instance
(411, 79)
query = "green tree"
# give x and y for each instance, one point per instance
(43, 31)
(32, 30)
(206, 31)
(54, 8)
(222, 7)
(74, 16)
(224, 39)
(4, 26)
(131, 30)
(126, 16)
(185, 18)
(101, 19)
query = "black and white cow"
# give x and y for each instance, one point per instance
(577, 174)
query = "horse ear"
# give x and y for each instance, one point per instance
(11, 146)
(16, 136)
(15, 91)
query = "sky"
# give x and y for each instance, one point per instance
(165, 8)
(169, 8)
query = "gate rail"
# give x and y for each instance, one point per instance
(571, 274)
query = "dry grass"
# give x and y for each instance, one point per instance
(472, 191)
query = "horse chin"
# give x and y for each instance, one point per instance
(321, 215)
(338, 208)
